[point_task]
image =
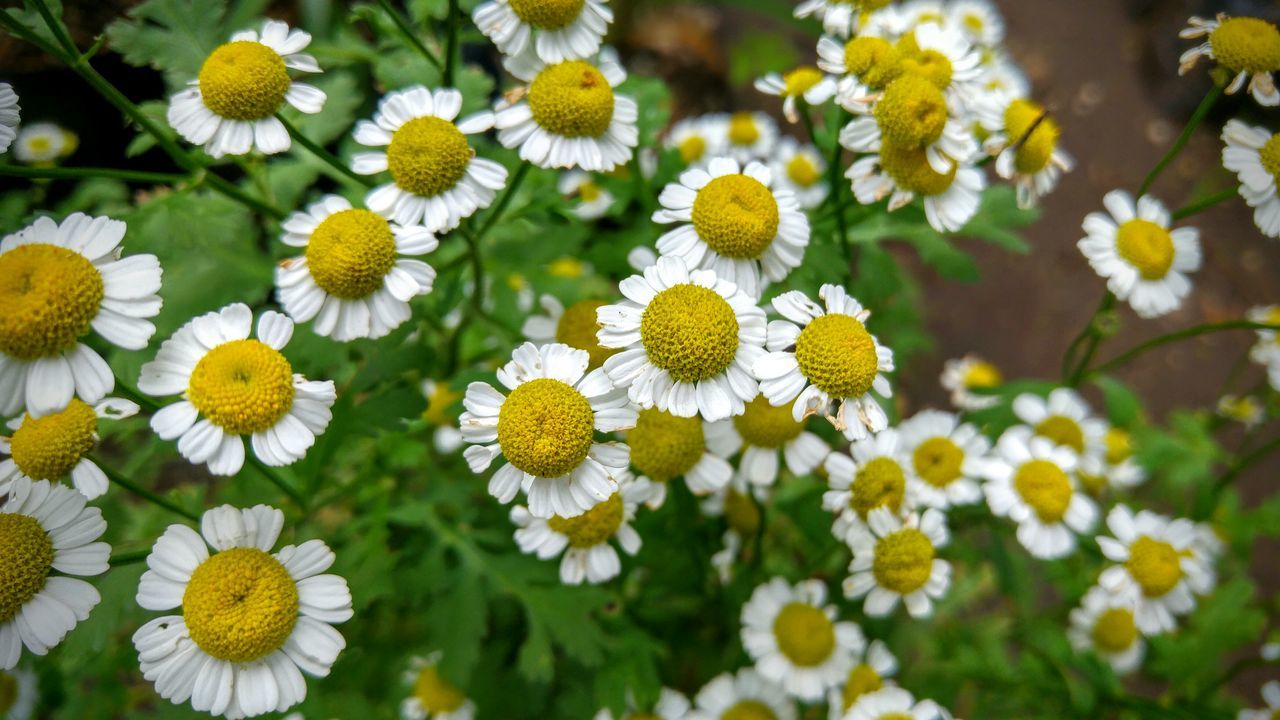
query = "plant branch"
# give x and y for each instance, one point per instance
(1197, 117)
(504, 201)
(1205, 203)
(274, 477)
(1091, 335)
(451, 46)
(142, 492)
(403, 26)
(1196, 331)
(327, 157)
(58, 173)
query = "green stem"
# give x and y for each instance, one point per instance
(1196, 118)
(324, 155)
(1205, 203)
(226, 187)
(128, 558)
(57, 173)
(403, 26)
(1196, 331)
(451, 46)
(504, 201)
(274, 477)
(58, 29)
(1091, 336)
(807, 121)
(142, 492)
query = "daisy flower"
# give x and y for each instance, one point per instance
(760, 432)
(1032, 482)
(689, 340)
(43, 143)
(839, 17)
(556, 30)
(1111, 464)
(946, 459)
(350, 278)
(737, 224)
(1253, 154)
(792, 635)
(895, 559)
(865, 65)
(1271, 696)
(570, 115)
(912, 114)
(57, 283)
(744, 694)
(951, 198)
(978, 20)
(1143, 261)
(801, 170)
(230, 108)
(584, 539)
(1246, 410)
(1064, 418)
(736, 503)
(961, 376)
(249, 620)
(57, 446)
(545, 429)
(593, 200)
(671, 705)
(941, 54)
(1158, 566)
(233, 385)
(432, 696)
(750, 135)
(822, 357)
(872, 476)
(698, 139)
(872, 673)
(1104, 624)
(806, 83)
(1024, 140)
(19, 692)
(575, 326)
(1248, 47)
(665, 447)
(44, 528)
(436, 178)
(9, 119)
(894, 703)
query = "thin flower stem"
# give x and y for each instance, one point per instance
(403, 26)
(806, 120)
(1196, 118)
(504, 201)
(329, 158)
(1205, 203)
(1191, 332)
(57, 173)
(1071, 370)
(142, 492)
(58, 29)
(274, 477)
(451, 46)
(226, 187)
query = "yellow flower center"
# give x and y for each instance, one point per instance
(243, 80)
(895, 716)
(47, 448)
(1155, 565)
(1246, 43)
(40, 144)
(350, 253)
(689, 331)
(741, 513)
(982, 374)
(691, 148)
(436, 694)
(862, 679)
(928, 64)
(801, 80)
(938, 461)
(1095, 485)
(736, 215)
(878, 483)
(571, 99)
(748, 710)
(547, 14)
(50, 295)
(766, 426)
(804, 633)
(743, 129)
(439, 403)
(903, 561)
(1146, 246)
(8, 692)
(1114, 631)
(577, 328)
(836, 353)
(1119, 445)
(240, 605)
(592, 527)
(912, 112)
(589, 192)
(24, 564)
(664, 446)
(1045, 488)
(872, 60)
(1062, 430)
(545, 428)
(1036, 149)
(803, 171)
(428, 155)
(911, 171)
(242, 386)
(1269, 156)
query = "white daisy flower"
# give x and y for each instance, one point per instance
(44, 528)
(946, 458)
(665, 447)
(1245, 409)
(1024, 140)
(1253, 154)
(894, 703)
(875, 666)
(233, 385)
(839, 17)
(1111, 464)
(545, 429)
(979, 20)
(896, 559)
(1248, 47)
(1143, 261)
(19, 692)
(9, 115)
(57, 446)
(43, 143)
(575, 326)
(690, 339)
(1266, 351)
(941, 54)
(736, 224)
(432, 696)
(350, 278)
(911, 114)
(60, 281)
(569, 115)
(1158, 566)
(736, 503)
(593, 201)
(961, 376)
(792, 635)
(865, 65)
(1032, 482)
(750, 135)
(951, 198)
(556, 30)
(700, 138)
(251, 621)
(873, 475)
(230, 108)
(805, 82)
(1001, 77)
(1063, 418)
(1271, 696)
(802, 170)
(744, 694)
(822, 357)
(1104, 624)
(436, 178)
(760, 432)
(671, 705)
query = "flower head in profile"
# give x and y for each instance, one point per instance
(9, 115)
(1248, 47)
(553, 30)
(805, 83)
(230, 108)
(57, 446)
(761, 433)
(431, 695)
(745, 694)
(43, 143)
(665, 447)
(1104, 623)
(801, 170)
(875, 666)
(896, 559)
(963, 376)
(1253, 154)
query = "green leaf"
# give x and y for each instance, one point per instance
(457, 624)
(175, 36)
(1226, 620)
(1124, 407)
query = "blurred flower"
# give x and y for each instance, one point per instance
(961, 376)
(19, 692)
(1271, 696)
(671, 705)
(432, 696)
(1253, 154)
(894, 703)
(746, 695)
(804, 82)
(593, 200)
(698, 139)
(575, 326)
(43, 143)
(9, 117)
(665, 447)
(895, 559)
(1064, 418)
(751, 136)
(1104, 623)
(876, 665)
(801, 170)
(946, 458)
(1245, 410)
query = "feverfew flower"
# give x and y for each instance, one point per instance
(896, 559)
(742, 695)
(872, 476)
(894, 703)
(593, 201)
(839, 17)
(698, 139)
(951, 198)
(945, 458)
(1271, 696)
(43, 143)
(1064, 418)
(1024, 140)
(760, 432)
(1104, 624)
(1248, 47)
(872, 672)
(19, 692)
(575, 326)
(432, 696)
(750, 135)
(805, 82)
(671, 705)
(555, 30)
(801, 170)
(1253, 154)
(665, 447)
(961, 376)
(57, 446)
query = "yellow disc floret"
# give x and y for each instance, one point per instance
(240, 605)
(24, 564)
(736, 215)
(805, 635)
(1114, 630)
(571, 99)
(874, 61)
(48, 448)
(593, 526)
(911, 171)
(1032, 152)
(50, 295)
(435, 694)
(801, 80)
(1146, 246)
(1246, 44)
(242, 386)
(350, 253)
(577, 328)
(243, 80)
(664, 446)
(690, 331)
(1044, 487)
(938, 461)
(912, 112)
(1062, 430)
(692, 148)
(743, 129)
(741, 513)
(749, 710)
(428, 155)
(878, 483)
(1269, 156)
(547, 14)
(802, 171)
(862, 679)
(764, 425)
(836, 353)
(1119, 444)
(545, 428)
(982, 374)
(1155, 565)
(903, 561)
(928, 64)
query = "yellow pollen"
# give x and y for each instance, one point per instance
(801, 80)
(930, 65)
(577, 329)
(1114, 631)
(240, 605)
(804, 633)
(748, 710)
(903, 561)
(938, 461)
(1119, 445)
(50, 295)
(1246, 44)
(741, 513)
(912, 112)
(692, 148)
(8, 692)
(836, 353)
(547, 14)
(879, 483)
(1269, 156)
(982, 374)
(1036, 149)
(571, 99)
(24, 564)
(736, 216)
(350, 253)
(766, 426)
(743, 129)
(802, 171)
(428, 156)
(1062, 430)
(49, 447)
(243, 80)
(911, 171)
(1045, 488)
(874, 61)
(1155, 565)
(689, 331)
(664, 446)
(862, 679)
(592, 527)
(1146, 246)
(545, 428)
(242, 386)
(436, 694)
